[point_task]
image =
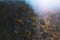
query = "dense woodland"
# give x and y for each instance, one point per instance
(19, 22)
(15, 21)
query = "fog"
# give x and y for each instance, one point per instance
(41, 6)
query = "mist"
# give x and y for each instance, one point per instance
(42, 6)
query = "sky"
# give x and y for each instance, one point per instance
(43, 5)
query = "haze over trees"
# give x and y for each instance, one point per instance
(18, 21)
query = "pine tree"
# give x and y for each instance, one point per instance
(16, 21)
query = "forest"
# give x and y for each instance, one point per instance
(18, 21)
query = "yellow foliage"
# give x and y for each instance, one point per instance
(52, 38)
(29, 33)
(55, 35)
(20, 21)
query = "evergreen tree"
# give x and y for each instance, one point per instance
(15, 21)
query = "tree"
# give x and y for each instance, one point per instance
(15, 20)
